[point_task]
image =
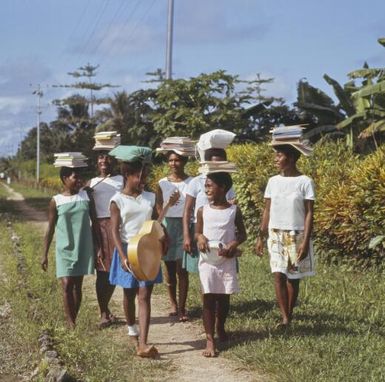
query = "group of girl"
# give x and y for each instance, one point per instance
(118, 206)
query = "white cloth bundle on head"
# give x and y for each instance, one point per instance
(214, 139)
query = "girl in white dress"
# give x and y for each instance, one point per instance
(171, 196)
(103, 188)
(287, 221)
(219, 225)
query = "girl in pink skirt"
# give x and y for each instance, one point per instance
(219, 231)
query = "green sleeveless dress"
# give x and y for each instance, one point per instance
(74, 245)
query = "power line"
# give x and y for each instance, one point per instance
(125, 22)
(133, 30)
(101, 12)
(119, 11)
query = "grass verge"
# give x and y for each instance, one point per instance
(88, 353)
(338, 332)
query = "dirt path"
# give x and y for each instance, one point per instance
(179, 344)
(28, 212)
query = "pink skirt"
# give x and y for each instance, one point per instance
(107, 248)
(218, 279)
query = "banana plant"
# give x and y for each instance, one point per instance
(368, 121)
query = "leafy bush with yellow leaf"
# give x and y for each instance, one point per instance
(352, 213)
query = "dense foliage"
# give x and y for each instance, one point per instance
(350, 204)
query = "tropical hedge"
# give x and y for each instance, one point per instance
(350, 205)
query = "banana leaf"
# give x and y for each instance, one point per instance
(348, 121)
(375, 127)
(343, 97)
(308, 94)
(319, 131)
(381, 41)
(370, 90)
(365, 73)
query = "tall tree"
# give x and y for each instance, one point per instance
(131, 115)
(86, 74)
(194, 106)
(265, 111)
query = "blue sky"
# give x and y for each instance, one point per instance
(43, 40)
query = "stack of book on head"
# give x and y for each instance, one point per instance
(180, 145)
(71, 159)
(291, 135)
(221, 166)
(106, 140)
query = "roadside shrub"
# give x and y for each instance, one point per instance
(353, 211)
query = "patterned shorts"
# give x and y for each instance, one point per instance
(283, 246)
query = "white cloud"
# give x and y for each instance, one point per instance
(12, 105)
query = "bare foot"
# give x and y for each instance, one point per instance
(282, 326)
(104, 323)
(174, 311)
(210, 350)
(183, 317)
(147, 352)
(71, 325)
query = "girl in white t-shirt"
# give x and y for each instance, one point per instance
(103, 188)
(287, 221)
(129, 209)
(171, 195)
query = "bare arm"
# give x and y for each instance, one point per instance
(159, 200)
(115, 224)
(239, 224)
(202, 241)
(309, 213)
(52, 219)
(188, 209)
(263, 228)
(96, 233)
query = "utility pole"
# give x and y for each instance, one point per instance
(39, 94)
(170, 27)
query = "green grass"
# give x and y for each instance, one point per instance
(35, 299)
(338, 332)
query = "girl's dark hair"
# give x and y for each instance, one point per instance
(289, 151)
(130, 168)
(209, 153)
(221, 179)
(65, 172)
(181, 157)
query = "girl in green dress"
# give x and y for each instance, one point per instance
(69, 216)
